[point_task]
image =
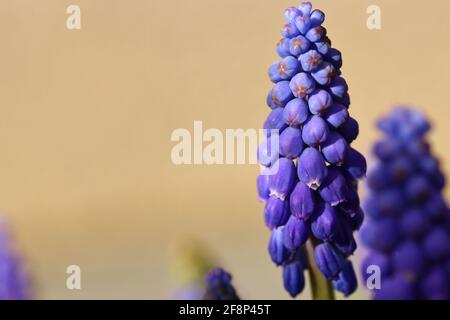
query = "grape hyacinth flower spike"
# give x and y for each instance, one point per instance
(309, 179)
(407, 232)
(219, 287)
(13, 283)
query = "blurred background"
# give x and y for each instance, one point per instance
(86, 116)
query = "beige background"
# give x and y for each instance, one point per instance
(86, 118)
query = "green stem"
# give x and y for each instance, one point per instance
(321, 288)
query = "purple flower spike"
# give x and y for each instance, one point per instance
(301, 85)
(334, 188)
(324, 223)
(336, 115)
(302, 201)
(309, 103)
(283, 48)
(349, 130)
(328, 260)
(338, 87)
(317, 18)
(299, 45)
(281, 94)
(310, 60)
(303, 23)
(335, 149)
(289, 31)
(262, 183)
(284, 69)
(343, 238)
(278, 252)
(282, 181)
(356, 164)
(319, 101)
(268, 151)
(295, 233)
(315, 131)
(323, 46)
(335, 58)
(275, 121)
(291, 13)
(295, 113)
(291, 143)
(316, 33)
(346, 282)
(293, 278)
(276, 212)
(311, 168)
(305, 8)
(324, 74)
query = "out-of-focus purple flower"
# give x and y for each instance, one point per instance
(380, 260)
(396, 287)
(14, 285)
(435, 285)
(315, 133)
(409, 245)
(219, 287)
